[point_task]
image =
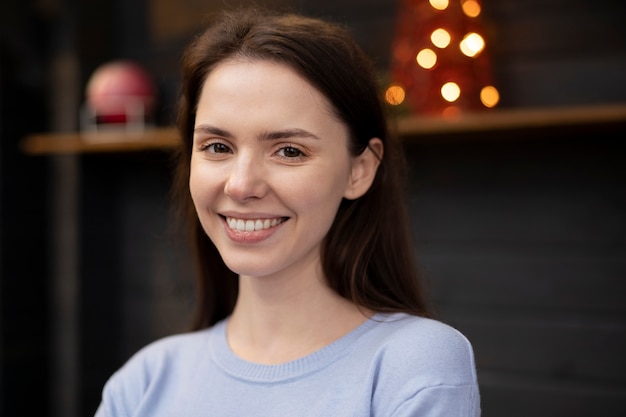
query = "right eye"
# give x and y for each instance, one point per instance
(215, 148)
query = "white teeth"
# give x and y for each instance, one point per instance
(251, 225)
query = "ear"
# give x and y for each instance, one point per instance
(363, 171)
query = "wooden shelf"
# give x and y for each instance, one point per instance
(98, 142)
(513, 123)
(495, 124)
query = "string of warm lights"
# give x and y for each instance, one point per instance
(439, 60)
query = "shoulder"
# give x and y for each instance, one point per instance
(149, 371)
(170, 350)
(420, 346)
(424, 333)
(420, 366)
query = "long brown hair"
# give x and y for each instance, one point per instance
(367, 255)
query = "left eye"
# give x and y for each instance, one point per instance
(290, 152)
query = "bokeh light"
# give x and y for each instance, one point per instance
(450, 91)
(471, 8)
(439, 4)
(426, 58)
(472, 44)
(489, 96)
(440, 38)
(441, 59)
(395, 95)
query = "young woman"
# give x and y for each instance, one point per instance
(308, 300)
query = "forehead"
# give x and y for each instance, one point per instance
(242, 76)
(246, 96)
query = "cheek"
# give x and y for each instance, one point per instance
(201, 185)
(320, 195)
(193, 184)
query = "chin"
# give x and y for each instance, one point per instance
(247, 269)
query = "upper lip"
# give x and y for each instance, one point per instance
(250, 216)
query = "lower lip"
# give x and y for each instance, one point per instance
(250, 237)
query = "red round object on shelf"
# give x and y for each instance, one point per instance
(118, 88)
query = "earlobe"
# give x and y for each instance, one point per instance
(364, 168)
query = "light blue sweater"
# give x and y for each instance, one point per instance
(393, 365)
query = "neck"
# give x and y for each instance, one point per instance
(279, 319)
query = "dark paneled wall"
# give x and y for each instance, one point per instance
(521, 239)
(523, 242)
(558, 52)
(23, 263)
(136, 283)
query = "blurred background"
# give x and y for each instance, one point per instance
(519, 210)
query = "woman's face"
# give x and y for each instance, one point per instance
(269, 167)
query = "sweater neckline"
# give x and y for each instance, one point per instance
(223, 356)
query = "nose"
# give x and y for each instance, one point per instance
(246, 180)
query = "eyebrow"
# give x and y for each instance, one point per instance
(211, 130)
(273, 135)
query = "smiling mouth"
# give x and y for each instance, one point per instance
(253, 225)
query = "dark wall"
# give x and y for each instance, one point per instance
(522, 239)
(523, 242)
(23, 223)
(136, 283)
(558, 52)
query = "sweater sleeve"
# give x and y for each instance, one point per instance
(109, 405)
(442, 401)
(427, 370)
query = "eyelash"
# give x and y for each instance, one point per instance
(206, 147)
(292, 149)
(210, 148)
